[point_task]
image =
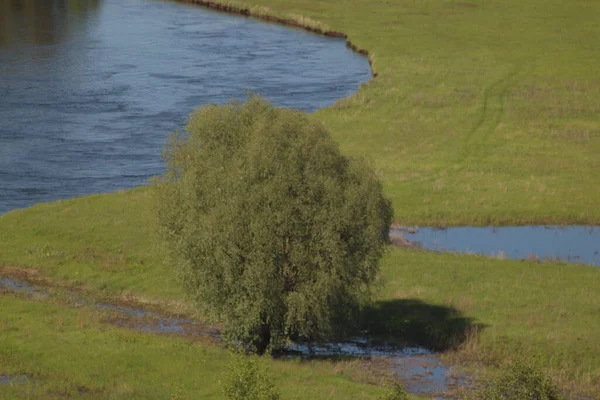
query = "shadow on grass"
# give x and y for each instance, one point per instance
(414, 322)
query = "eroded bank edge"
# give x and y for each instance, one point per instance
(297, 21)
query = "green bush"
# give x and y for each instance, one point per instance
(520, 382)
(248, 380)
(275, 234)
(395, 391)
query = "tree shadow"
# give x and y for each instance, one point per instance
(414, 322)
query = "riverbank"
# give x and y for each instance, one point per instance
(478, 312)
(481, 113)
(289, 19)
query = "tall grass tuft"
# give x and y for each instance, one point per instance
(395, 391)
(521, 381)
(248, 379)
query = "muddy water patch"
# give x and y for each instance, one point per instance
(573, 244)
(13, 285)
(426, 374)
(125, 316)
(13, 379)
(153, 322)
(421, 370)
(23, 287)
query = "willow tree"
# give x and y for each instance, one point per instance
(275, 234)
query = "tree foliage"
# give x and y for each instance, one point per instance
(275, 234)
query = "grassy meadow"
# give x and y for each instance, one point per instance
(482, 112)
(70, 352)
(480, 312)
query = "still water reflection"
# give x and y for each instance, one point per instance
(90, 89)
(43, 22)
(575, 244)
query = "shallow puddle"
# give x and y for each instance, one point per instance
(421, 370)
(13, 285)
(13, 379)
(574, 244)
(130, 317)
(152, 322)
(426, 374)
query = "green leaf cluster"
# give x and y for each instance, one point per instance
(275, 233)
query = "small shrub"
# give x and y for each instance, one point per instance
(248, 379)
(521, 382)
(395, 391)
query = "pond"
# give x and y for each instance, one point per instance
(90, 89)
(574, 244)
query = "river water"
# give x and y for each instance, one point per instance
(90, 89)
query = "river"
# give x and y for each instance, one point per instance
(90, 89)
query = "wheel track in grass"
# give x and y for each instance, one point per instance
(492, 111)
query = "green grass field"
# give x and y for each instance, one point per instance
(547, 311)
(483, 112)
(70, 353)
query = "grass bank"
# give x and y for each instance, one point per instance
(483, 112)
(67, 352)
(537, 310)
(498, 311)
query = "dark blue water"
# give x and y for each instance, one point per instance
(575, 244)
(90, 89)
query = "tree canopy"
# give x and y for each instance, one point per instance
(275, 234)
